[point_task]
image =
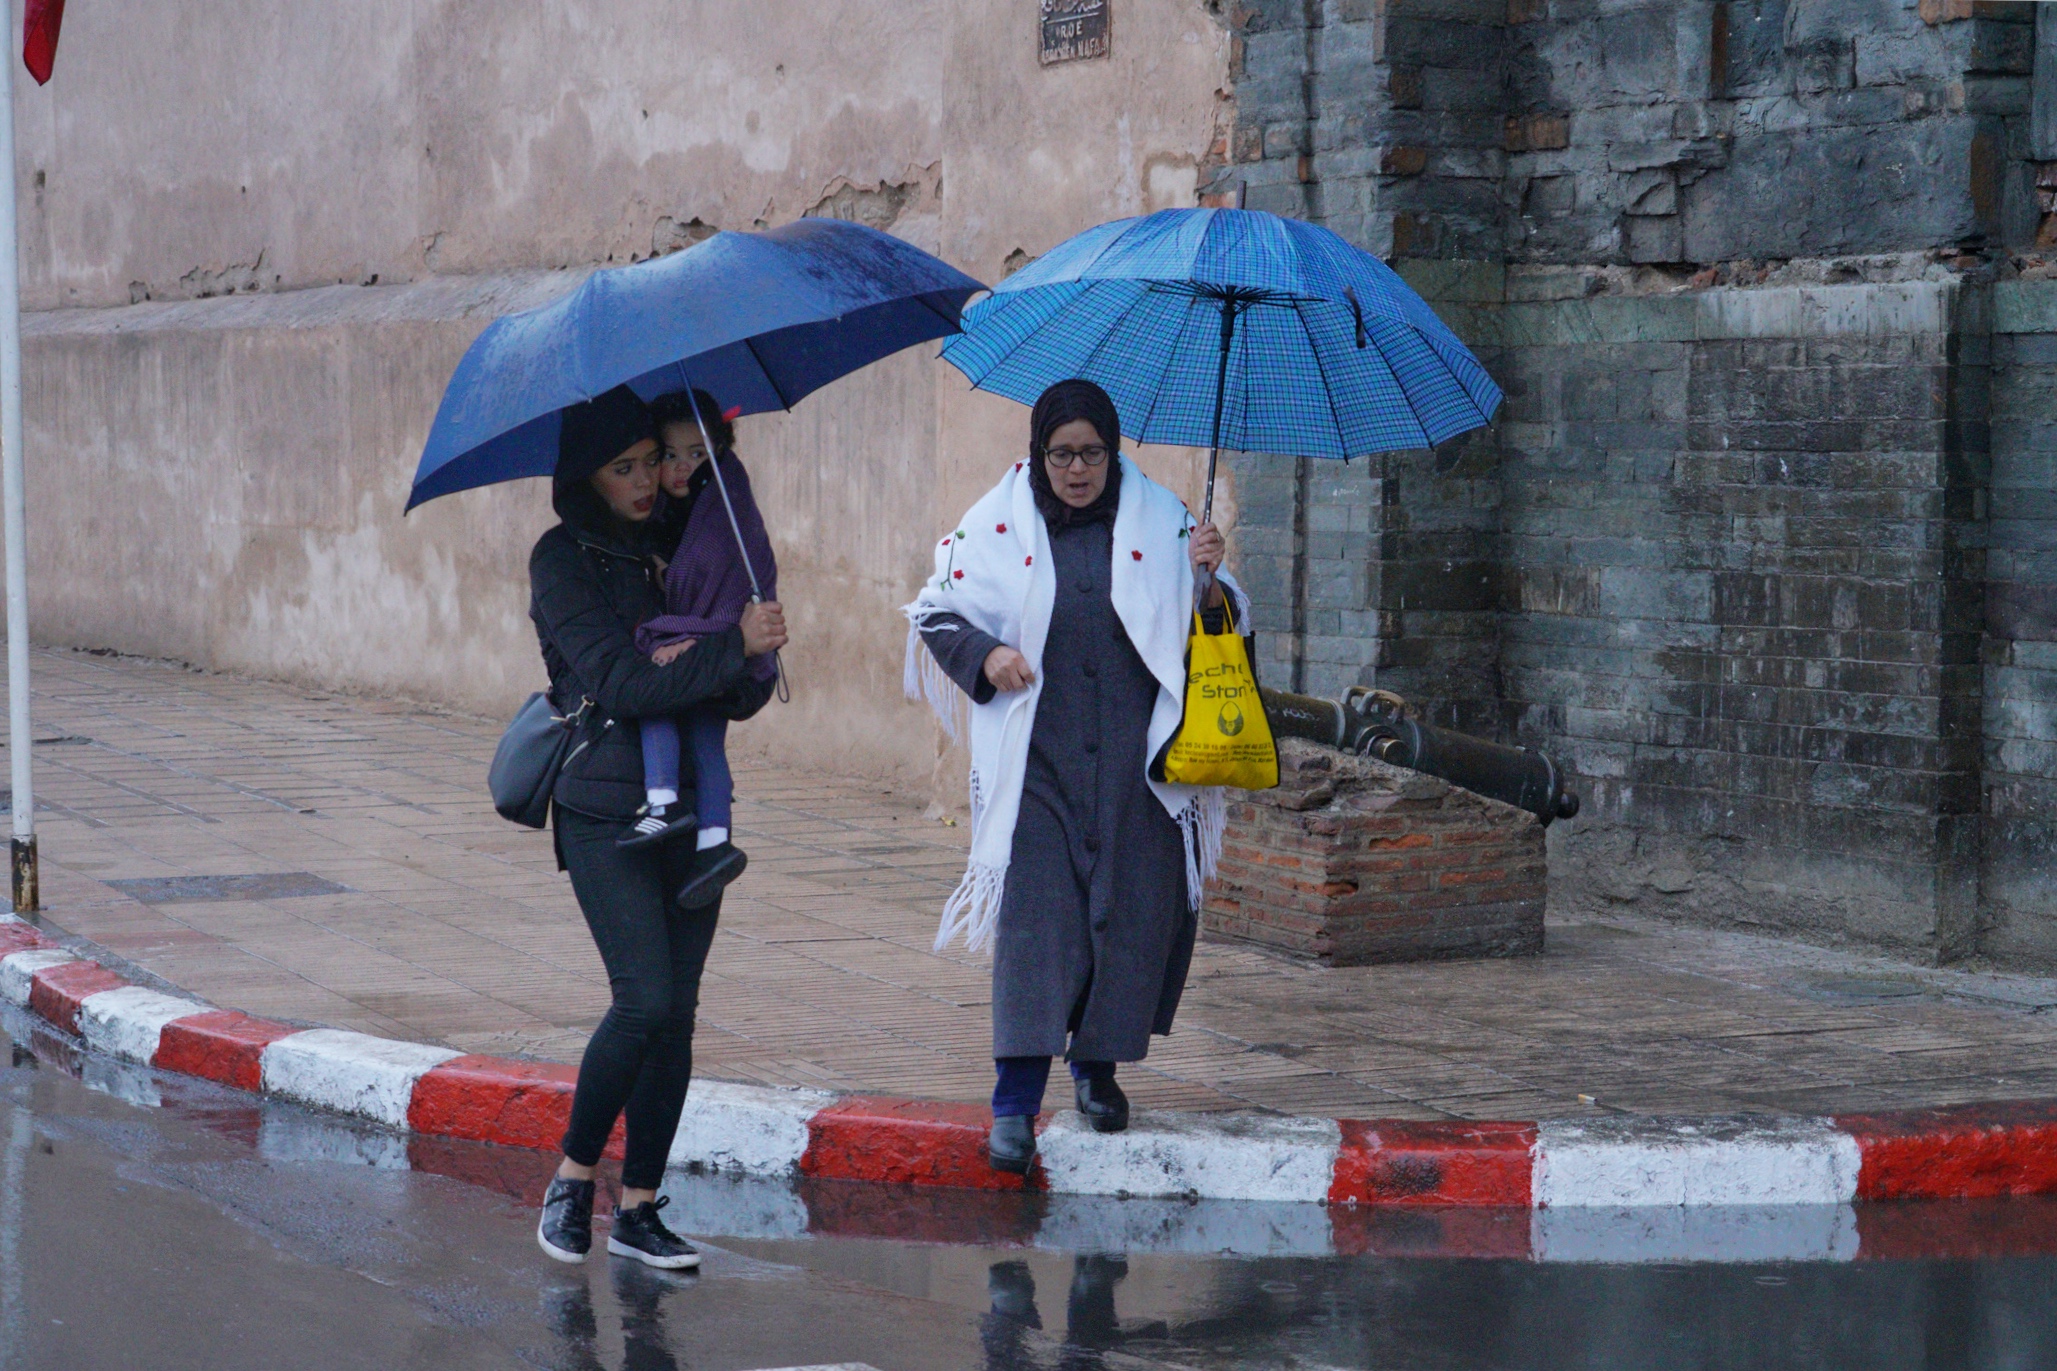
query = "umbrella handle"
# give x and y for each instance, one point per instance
(778, 664)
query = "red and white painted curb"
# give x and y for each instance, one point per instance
(1607, 1164)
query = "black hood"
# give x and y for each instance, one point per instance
(590, 435)
(593, 433)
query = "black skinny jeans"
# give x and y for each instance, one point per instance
(640, 1059)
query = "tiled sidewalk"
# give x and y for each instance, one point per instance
(404, 906)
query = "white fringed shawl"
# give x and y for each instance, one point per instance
(995, 570)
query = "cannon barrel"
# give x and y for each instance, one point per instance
(1378, 723)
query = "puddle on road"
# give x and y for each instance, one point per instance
(1859, 990)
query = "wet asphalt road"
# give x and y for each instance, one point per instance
(210, 1233)
(151, 1222)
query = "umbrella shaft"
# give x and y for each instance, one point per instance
(1228, 334)
(728, 506)
(785, 691)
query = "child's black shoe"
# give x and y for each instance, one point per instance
(658, 825)
(713, 868)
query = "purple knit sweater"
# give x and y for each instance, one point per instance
(706, 586)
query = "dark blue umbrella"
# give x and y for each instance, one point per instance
(759, 320)
(1230, 328)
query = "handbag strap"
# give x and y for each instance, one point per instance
(577, 716)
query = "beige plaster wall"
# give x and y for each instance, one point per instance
(257, 237)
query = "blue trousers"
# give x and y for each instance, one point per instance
(707, 732)
(1023, 1080)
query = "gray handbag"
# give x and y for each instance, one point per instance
(532, 751)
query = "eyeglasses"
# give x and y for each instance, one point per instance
(1062, 457)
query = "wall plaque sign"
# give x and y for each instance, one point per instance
(1074, 29)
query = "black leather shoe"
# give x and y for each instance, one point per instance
(566, 1229)
(639, 1233)
(1103, 1104)
(1012, 1144)
(658, 826)
(713, 869)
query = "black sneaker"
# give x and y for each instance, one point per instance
(566, 1230)
(659, 825)
(639, 1233)
(713, 869)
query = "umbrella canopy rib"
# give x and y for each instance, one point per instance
(1328, 390)
(750, 345)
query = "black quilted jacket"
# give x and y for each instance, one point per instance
(591, 582)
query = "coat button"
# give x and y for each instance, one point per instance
(1092, 844)
(1090, 670)
(1099, 925)
(1092, 746)
(1085, 587)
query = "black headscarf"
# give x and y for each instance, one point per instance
(589, 436)
(1061, 404)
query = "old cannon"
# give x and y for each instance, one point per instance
(1378, 723)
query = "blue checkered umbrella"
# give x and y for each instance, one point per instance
(1230, 328)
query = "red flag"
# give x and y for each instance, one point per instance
(39, 37)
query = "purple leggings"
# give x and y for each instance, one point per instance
(714, 788)
(1023, 1080)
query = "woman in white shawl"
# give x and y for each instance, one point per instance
(1060, 606)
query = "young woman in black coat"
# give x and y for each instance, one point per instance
(593, 578)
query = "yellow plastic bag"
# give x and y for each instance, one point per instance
(1225, 738)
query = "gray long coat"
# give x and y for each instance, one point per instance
(1095, 933)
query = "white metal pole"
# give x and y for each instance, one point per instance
(26, 895)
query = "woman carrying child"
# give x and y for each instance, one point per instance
(593, 580)
(707, 586)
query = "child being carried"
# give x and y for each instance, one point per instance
(706, 589)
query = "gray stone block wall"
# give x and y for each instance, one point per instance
(2019, 876)
(1745, 582)
(1763, 541)
(1577, 131)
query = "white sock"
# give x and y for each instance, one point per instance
(712, 837)
(661, 799)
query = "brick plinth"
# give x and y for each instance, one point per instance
(1350, 861)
